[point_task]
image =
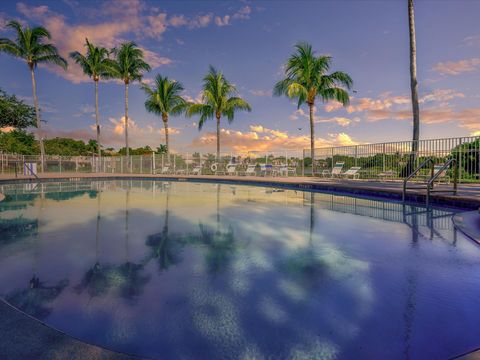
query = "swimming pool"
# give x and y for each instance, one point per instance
(184, 270)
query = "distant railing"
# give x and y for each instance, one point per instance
(383, 161)
(395, 160)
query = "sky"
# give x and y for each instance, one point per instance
(249, 41)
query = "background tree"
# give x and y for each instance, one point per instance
(15, 113)
(165, 99)
(94, 64)
(307, 78)
(128, 66)
(218, 99)
(29, 45)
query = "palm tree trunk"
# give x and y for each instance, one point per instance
(165, 125)
(312, 138)
(126, 126)
(218, 138)
(97, 120)
(413, 86)
(39, 123)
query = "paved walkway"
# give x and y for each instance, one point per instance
(468, 195)
(25, 338)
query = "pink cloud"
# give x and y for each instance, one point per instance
(457, 67)
(260, 139)
(70, 38)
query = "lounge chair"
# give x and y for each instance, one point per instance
(388, 174)
(251, 170)
(353, 172)
(165, 170)
(443, 173)
(284, 170)
(336, 171)
(197, 170)
(232, 169)
(266, 169)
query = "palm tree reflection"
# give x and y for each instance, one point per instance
(219, 242)
(36, 298)
(125, 279)
(165, 247)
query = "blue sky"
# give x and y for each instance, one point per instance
(249, 41)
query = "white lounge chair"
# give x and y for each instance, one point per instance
(353, 172)
(266, 169)
(165, 170)
(336, 170)
(232, 169)
(284, 170)
(197, 170)
(251, 170)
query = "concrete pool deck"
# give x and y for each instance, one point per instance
(468, 195)
(26, 338)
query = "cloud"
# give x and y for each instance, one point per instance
(69, 38)
(243, 13)
(178, 20)
(113, 135)
(339, 120)
(259, 92)
(473, 40)
(222, 21)
(457, 67)
(200, 21)
(197, 99)
(261, 139)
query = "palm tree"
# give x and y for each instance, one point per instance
(413, 85)
(94, 65)
(29, 45)
(307, 78)
(128, 66)
(165, 100)
(218, 99)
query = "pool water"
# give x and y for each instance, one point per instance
(182, 270)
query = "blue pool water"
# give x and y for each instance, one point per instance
(174, 270)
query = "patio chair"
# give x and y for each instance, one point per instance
(266, 169)
(251, 170)
(232, 169)
(165, 170)
(197, 170)
(337, 169)
(388, 174)
(352, 172)
(442, 175)
(284, 170)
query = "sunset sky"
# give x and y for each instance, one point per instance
(249, 41)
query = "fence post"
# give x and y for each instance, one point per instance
(460, 156)
(383, 151)
(60, 164)
(153, 163)
(141, 164)
(303, 162)
(356, 154)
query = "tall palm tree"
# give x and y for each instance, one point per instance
(128, 66)
(218, 99)
(413, 84)
(30, 46)
(165, 100)
(307, 78)
(94, 64)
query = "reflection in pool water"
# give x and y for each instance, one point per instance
(186, 270)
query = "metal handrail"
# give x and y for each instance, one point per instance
(415, 172)
(435, 176)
